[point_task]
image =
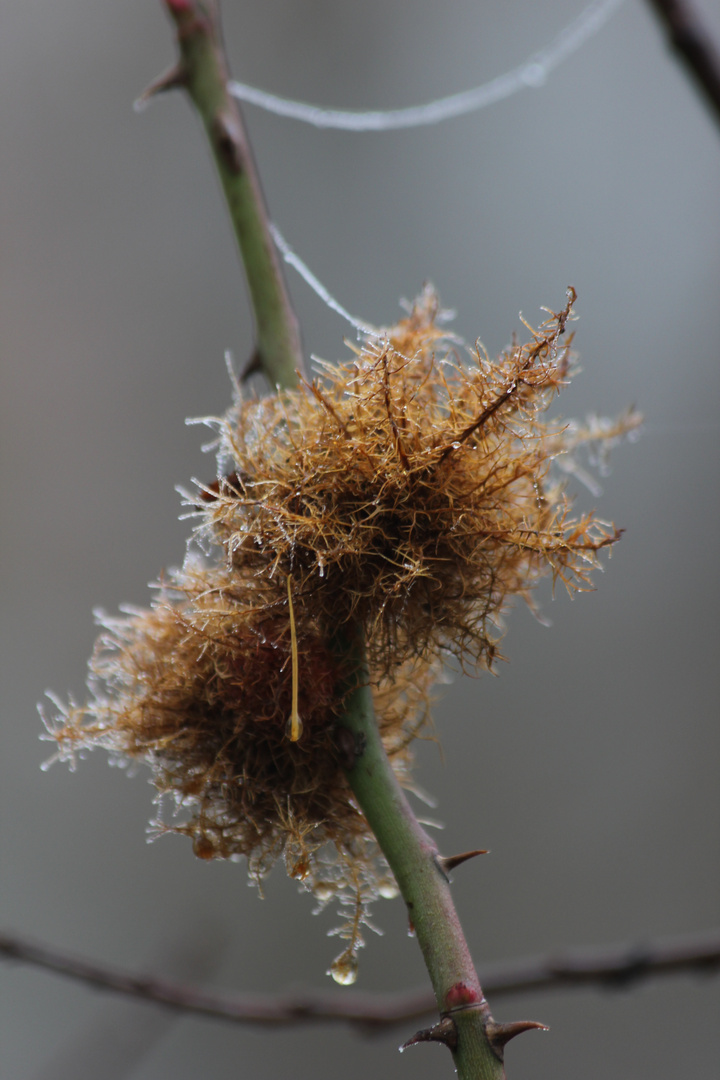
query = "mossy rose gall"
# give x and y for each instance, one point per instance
(405, 499)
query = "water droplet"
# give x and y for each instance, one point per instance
(388, 890)
(300, 870)
(324, 891)
(203, 848)
(344, 969)
(534, 74)
(456, 445)
(294, 728)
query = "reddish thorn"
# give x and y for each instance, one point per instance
(443, 1032)
(170, 80)
(500, 1034)
(451, 861)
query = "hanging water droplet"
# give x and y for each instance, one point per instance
(294, 728)
(300, 870)
(344, 969)
(203, 848)
(324, 891)
(388, 890)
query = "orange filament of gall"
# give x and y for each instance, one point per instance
(294, 727)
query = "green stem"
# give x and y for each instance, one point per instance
(467, 1026)
(203, 71)
(416, 864)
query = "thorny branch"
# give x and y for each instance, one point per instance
(613, 968)
(202, 71)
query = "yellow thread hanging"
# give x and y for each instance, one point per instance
(294, 724)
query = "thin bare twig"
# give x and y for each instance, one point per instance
(117, 1036)
(613, 968)
(690, 40)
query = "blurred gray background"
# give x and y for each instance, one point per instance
(590, 765)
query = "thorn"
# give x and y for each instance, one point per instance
(251, 366)
(449, 863)
(172, 79)
(500, 1034)
(444, 1031)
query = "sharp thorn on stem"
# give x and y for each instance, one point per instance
(449, 862)
(500, 1034)
(173, 79)
(252, 365)
(444, 1031)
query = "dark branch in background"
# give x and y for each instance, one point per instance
(692, 43)
(612, 969)
(117, 1036)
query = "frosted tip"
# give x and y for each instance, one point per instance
(344, 969)
(294, 728)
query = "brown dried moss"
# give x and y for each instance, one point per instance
(407, 496)
(408, 492)
(200, 686)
